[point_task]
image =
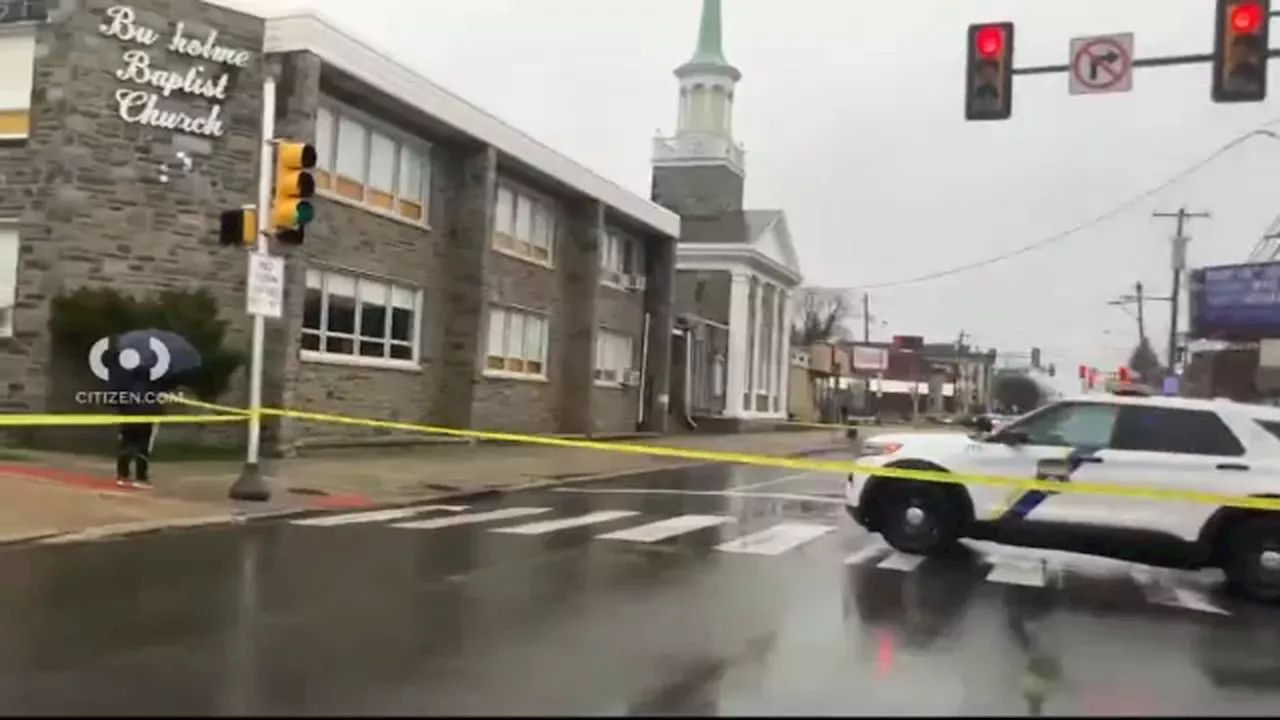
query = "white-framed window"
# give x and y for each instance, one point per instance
(8, 277)
(524, 225)
(620, 256)
(517, 342)
(361, 318)
(613, 356)
(18, 58)
(361, 161)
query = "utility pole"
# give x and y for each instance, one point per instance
(1177, 264)
(1137, 297)
(866, 317)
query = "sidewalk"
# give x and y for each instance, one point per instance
(48, 492)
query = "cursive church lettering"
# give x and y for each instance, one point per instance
(150, 80)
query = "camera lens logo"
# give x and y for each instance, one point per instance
(128, 359)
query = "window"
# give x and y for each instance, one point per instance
(613, 356)
(1174, 430)
(1070, 425)
(8, 278)
(619, 256)
(359, 317)
(18, 55)
(524, 225)
(366, 165)
(1270, 426)
(517, 342)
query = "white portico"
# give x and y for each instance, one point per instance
(764, 273)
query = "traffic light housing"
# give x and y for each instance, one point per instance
(291, 208)
(989, 72)
(238, 227)
(1240, 51)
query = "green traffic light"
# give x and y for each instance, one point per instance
(306, 213)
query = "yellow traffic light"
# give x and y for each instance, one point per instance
(238, 227)
(291, 209)
(1240, 51)
(988, 91)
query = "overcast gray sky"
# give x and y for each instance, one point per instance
(852, 115)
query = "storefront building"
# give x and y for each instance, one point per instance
(459, 273)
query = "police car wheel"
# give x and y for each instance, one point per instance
(916, 518)
(1253, 565)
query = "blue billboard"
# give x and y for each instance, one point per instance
(1235, 302)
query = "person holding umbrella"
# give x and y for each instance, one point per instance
(147, 364)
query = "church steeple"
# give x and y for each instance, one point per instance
(708, 56)
(700, 169)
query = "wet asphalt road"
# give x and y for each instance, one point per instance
(807, 616)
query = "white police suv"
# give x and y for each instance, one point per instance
(1209, 446)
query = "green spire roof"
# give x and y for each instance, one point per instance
(708, 56)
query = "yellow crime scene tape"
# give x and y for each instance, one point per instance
(711, 456)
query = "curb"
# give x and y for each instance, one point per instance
(118, 531)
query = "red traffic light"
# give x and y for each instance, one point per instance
(989, 41)
(1247, 18)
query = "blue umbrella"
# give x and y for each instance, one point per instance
(161, 352)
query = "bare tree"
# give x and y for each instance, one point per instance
(819, 316)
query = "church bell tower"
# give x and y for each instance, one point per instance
(699, 170)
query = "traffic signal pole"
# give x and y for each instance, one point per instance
(251, 485)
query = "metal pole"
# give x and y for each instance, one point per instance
(1177, 263)
(251, 485)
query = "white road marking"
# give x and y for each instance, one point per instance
(453, 520)
(669, 528)
(1195, 600)
(901, 562)
(865, 553)
(542, 527)
(827, 499)
(1011, 572)
(774, 481)
(375, 515)
(775, 540)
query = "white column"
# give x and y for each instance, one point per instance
(735, 381)
(783, 370)
(753, 383)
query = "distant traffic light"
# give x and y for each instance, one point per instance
(989, 72)
(238, 227)
(292, 210)
(1240, 51)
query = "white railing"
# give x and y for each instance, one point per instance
(692, 147)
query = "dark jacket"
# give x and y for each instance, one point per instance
(135, 393)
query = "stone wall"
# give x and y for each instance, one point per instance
(101, 201)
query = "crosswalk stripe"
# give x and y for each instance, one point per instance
(469, 519)
(669, 528)
(542, 527)
(1009, 572)
(376, 515)
(901, 562)
(1181, 597)
(775, 540)
(866, 552)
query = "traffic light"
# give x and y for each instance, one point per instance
(291, 210)
(1240, 51)
(238, 227)
(989, 73)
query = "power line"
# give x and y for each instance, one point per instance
(1118, 209)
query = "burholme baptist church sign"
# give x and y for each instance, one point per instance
(148, 77)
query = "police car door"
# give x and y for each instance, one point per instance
(1061, 445)
(1170, 448)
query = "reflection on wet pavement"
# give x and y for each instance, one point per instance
(544, 613)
